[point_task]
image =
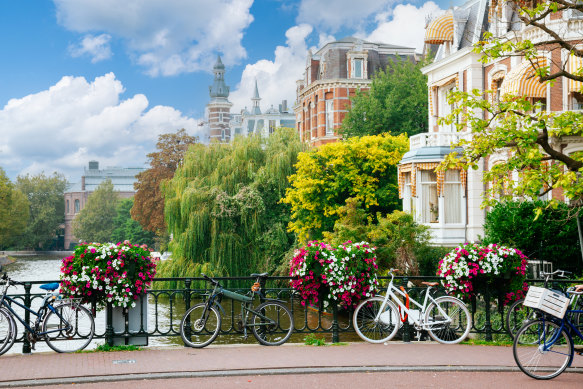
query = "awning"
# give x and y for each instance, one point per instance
(445, 81)
(440, 30)
(522, 80)
(575, 64)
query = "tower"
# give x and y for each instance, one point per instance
(256, 110)
(219, 107)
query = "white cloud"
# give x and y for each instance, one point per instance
(165, 36)
(74, 121)
(333, 15)
(97, 47)
(276, 79)
(404, 26)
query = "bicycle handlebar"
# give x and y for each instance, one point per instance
(559, 273)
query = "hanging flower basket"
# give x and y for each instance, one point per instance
(108, 273)
(471, 268)
(344, 274)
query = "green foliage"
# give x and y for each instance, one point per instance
(400, 242)
(223, 209)
(361, 167)
(313, 340)
(107, 348)
(47, 208)
(14, 213)
(95, 222)
(396, 103)
(125, 228)
(552, 236)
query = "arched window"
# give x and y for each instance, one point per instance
(77, 206)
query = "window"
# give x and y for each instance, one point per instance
(329, 117)
(446, 108)
(452, 193)
(67, 206)
(429, 202)
(407, 193)
(576, 101)
(271, 126)
(357, 72)
(77, 206)
(220, 116)
(222, 134)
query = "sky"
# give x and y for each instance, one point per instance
(85, 80)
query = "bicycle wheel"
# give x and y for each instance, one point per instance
(448, 320)
(517, 316)
(277, 328)
(197, 330)
(69, 328)
(7, 331)
(373, 331)
(541, 351)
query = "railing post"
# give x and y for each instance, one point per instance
(187, 284)
(109, 325)
(27, 302)
(488, 324)
(335, 326)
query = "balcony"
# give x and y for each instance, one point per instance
(431, 139)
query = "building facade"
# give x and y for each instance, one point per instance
(332, 76)
(261, 122)
(219, 107)
(77, 194)
(450, 202)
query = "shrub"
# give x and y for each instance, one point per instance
(107, 273)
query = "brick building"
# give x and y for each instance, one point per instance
(77, 194)
(332, 76)
(449, 202)
(219, 107)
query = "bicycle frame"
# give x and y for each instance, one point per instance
(565, 324)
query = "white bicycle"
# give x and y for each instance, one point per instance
(446, 318)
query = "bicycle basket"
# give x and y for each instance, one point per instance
(547, 301)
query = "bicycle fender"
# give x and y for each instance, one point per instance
(273, 300)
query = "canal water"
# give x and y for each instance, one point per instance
(164, 311)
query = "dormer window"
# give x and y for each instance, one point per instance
(357, 62)
(357, 71)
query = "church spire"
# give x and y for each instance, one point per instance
(219, 88)
(256, 99)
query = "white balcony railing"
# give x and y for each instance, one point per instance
(429, 139)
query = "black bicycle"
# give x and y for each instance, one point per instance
(271, 322)
(65, 325)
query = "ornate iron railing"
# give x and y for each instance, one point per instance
(167, 306)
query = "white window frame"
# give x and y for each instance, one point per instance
(329, 117)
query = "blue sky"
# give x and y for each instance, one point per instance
(101, 79)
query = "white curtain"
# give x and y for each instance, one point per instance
(407, 193)
(452, 193)
(429, 204)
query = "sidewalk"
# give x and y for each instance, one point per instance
(43, 369)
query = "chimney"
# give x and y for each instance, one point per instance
(83, 183)
(284, 105)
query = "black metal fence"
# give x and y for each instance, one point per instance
(159, 315)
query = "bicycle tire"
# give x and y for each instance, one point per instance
(373, 331)
(8, 330)
(272, 334)
(517, 315)
(198, 332)
(77, 332)
(535, 357)
(452, 332)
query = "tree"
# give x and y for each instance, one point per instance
(362, 168)
(95, 222)
(529, 136)
(125, 228)
(14, 213)
(47, 208)
(395, 103)
(148, 207)
(222, 206)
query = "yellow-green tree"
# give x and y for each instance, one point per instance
(14, 213)
(362, 168)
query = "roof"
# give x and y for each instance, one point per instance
(429, 153)
(122, 179)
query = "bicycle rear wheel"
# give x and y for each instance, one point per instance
(69, 328)
(542, 350)
(517, 315)
(200, 326)
(448, 320)
(8, 331)
(279, 326)
(379, 331)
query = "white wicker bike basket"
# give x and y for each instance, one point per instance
(547, 300)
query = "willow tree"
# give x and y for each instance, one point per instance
(222, 206)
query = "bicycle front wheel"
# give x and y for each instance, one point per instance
(273, 323)
(200, 326)
(448, 320)
(542, 350)
(517, 315)
(7, 331)
(69, 328)
(376, 331)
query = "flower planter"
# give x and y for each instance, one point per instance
(127, 322)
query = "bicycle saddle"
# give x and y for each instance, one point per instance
(52, 286)
(259, 275)
(430, 283)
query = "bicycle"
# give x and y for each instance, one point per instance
(64, 325)
(271, 322)
(518, 314)
(445, 318)
(543, 348)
